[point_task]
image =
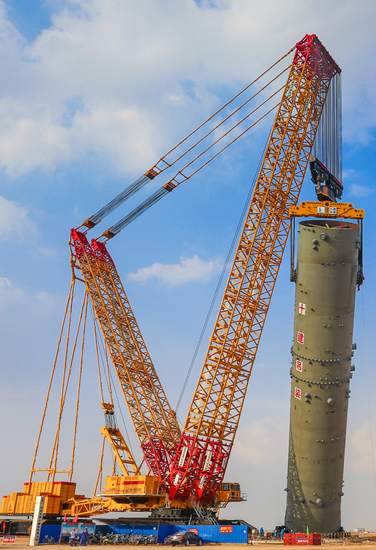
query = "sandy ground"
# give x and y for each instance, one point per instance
(23, 542)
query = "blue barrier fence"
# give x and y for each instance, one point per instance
(209, 533)
(51, 531)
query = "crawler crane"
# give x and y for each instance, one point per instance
(186, 469)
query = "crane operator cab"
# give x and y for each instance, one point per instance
(328, 188)
(230, 492)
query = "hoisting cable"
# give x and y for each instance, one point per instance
(110, 383)
(174, 182)
(100, 365)
(64, 388)
(86, 298)
(219, 284)
(121, 414)
(98, 360)
(369, 406)
(168, 165)
(100, 469)
(163, 164)
(69, 299)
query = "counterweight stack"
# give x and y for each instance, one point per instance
(326, 279)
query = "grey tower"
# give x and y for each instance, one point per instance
(326, 277)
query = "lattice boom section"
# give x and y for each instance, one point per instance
(154, 421)
(202, 455)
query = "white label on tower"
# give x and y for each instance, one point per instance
(208, 458)
(182, 456)
(202, 482)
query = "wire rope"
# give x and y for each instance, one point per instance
(164, 164)
(110, 383)
(219, 284)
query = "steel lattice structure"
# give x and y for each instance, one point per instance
(190, 466)
(154, 421)
(200, 459)
(213, 418)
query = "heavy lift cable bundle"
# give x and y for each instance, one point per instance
(195, 465)
(163, 164)
(68, 360)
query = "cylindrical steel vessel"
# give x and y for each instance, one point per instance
(321, 370)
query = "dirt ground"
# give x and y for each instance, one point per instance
(23, 542)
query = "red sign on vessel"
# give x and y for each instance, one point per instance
(299, 365)
(298, 393)
(300, 337)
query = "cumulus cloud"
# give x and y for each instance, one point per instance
(360, 190)
(189, 269)
(15, 223)
(122, 81)
(9, 293)
(46, 299)
(360, 452)
(256, 444)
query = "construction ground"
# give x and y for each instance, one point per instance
(23, 542)
(366, 539)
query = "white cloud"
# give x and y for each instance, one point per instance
(9, 293)
(46, 299)
(123, 81)
(360, 190)
(360, 453)
(15, 224)
(47, 252)
(263, 442)
(189, 269)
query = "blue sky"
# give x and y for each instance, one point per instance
(91, 95)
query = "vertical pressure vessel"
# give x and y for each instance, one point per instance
(321, 371)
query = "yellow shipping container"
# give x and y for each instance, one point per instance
(4, 505)
(12, 503)
(51, 505)
(28, 507)
(64, 489)
(19, 504)
(35, 487)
